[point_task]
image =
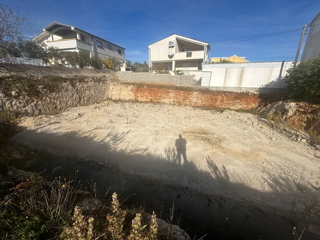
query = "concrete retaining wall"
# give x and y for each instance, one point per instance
(262, 77)
(156, 78)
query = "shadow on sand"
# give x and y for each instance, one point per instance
(205, 201)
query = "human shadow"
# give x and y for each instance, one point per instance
(229, 209)
(181, 147)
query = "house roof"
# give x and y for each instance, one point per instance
(314, 19)
(186, 39)
(226, 58)
(56, 25)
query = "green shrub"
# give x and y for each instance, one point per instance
(77, 59)
(37, 209)
(303, 82)
(83, 59)
(96, 63)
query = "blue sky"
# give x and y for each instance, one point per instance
(135, 24)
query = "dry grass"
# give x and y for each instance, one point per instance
(38, 209)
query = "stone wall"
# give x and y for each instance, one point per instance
(156, 78)
(69, 95)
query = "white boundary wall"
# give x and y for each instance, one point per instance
(262, 76)
(25, 61)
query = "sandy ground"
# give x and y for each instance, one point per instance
(230, 154)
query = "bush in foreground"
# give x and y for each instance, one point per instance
(303, 82)
(59, 209)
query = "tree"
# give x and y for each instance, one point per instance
(303, 82)
(55, 56)
(71, 58)
(77, 59)
(222, 61)
(31, 49)
(108, 63)
(11, 28)
(83, 59)
(96, 63)
(140, 67)
(116, 64)
(111, 63)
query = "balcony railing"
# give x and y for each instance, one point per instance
(70, 44)
(188, 55)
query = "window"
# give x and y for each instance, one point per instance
(189, 54)
(119, 51)
(108, 46)
(82, 38)
(185, 49)
(186, 66)
(99, 44)
(161, 50)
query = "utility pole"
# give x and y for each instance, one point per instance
(304, 30)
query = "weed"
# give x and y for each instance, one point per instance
(314, 135)
(296, 235)
(116, 219)
(37, 209)
(275, 119)
(81, 229)
(7, 115)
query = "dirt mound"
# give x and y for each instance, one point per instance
(300, 116)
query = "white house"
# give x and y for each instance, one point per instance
(71, 39)
(178, 53)
(312, 47)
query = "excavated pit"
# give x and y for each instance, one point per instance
(228, 174)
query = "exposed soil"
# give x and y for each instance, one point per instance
(228, 154)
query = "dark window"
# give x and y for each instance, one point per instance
(189, 54)
(119, 51)
(109, 46)
(99, 44)
(82, 38)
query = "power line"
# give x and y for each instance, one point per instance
(242, 39)
(232, 40)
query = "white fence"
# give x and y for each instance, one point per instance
(25, 61)
(262, 77)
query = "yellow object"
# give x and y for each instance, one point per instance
(233, 58)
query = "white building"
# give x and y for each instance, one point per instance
(71, 39)
(178, 53)
(312, 47)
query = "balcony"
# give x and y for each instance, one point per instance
(71, 43)
(190, 55)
